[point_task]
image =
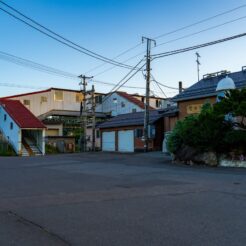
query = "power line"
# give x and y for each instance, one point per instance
(158, 85)
(50, 70)
(67, 41)
(201, 21)
(121, 54)
(21, 86)
(201, 31)
(120, 84)
(166, 86)
(36, 66)
(108, 83)
(174, 52)
(172, 32)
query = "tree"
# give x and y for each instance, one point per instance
(234, 103)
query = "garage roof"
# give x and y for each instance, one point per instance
(137, 119)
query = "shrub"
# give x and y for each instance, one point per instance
(204, 132)
(49, 149)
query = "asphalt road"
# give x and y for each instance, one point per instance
(121, 200)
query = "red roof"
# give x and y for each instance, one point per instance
(21, 115)
(133, 99)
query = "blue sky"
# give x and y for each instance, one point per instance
(109, 27)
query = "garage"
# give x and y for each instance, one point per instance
(126, 141)
(108, 141)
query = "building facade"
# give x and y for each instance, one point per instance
(24, 132)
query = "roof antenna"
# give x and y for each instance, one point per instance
(198, 65)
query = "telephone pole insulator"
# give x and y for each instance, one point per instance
(198, 65)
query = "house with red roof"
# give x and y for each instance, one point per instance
(118, 102)
(22, 129)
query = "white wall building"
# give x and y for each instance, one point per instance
(24, 132)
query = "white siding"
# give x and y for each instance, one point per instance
(37, 107)
(13, 135)
(116, 108)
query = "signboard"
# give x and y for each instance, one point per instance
(194, 108)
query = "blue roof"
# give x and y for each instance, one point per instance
(137, 119)
(207, 86)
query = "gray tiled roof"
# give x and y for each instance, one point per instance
(207, 87)
(136, 119)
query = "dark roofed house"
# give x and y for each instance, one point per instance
(124, 133)
(192, 99)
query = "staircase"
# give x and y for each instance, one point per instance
(30, 147)
(24, 151)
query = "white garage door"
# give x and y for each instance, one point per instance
(108, 141)
(126, 141)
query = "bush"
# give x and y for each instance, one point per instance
(204, 132)
(49, 149)
(236, 139)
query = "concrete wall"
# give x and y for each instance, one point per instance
(12, 135)
(116, 108)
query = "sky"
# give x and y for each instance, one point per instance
(109, 27)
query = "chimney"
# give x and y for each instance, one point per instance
(180, 87)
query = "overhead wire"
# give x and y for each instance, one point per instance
(50, 70)
(162, 91)
(66, 41)
(178, 30)
(201, 21)
(34, 65)
(174, 52)
(201, 31)
(124, 80)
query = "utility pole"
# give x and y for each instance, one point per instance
(146, 111)
(198, 65)
(93, 118)
(83, 113)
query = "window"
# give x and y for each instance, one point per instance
(58, 96)
(27, 102)
(11, 125)
(123, 104)
(157, 103)
(134, 110)
(79, 97)
(97, 134)
(5, 117)
(43, 99)
(139, 133)
(142, 99)
(98, 99)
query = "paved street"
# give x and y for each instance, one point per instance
(121, 200)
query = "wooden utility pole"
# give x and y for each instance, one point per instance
(93, 102)
(146, 111)
(83, 113)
